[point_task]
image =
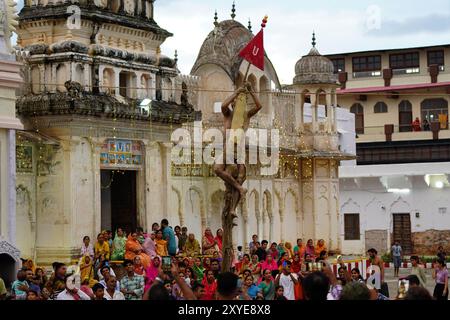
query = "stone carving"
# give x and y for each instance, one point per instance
(101, 3)
(47, 163)
(8, 24)
(74, 89)
(129, 6)
(9, 249)
(23, 201)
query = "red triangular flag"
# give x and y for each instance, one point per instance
(254, 51)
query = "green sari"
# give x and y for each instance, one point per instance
(199, 273)
(118, 248)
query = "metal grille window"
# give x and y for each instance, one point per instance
(339, 65)
(351, 226)
(370, 63)
(404, 60)
(436, 57)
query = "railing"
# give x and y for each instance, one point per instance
(380, 130)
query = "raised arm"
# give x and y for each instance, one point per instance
(225, 110)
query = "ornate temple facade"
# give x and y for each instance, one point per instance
(100, 103)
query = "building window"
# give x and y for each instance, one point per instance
(436, 57)
(339, 65)
(358, 111)
(370, 63)
(405, 117)
(404, 60)
(380, 107)
(435, 110)
(351, 226)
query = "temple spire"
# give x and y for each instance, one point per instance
(249, 25)
(233, 10)
(216, 18)
(314, 39)
(176, 56)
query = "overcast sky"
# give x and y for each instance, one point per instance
(341, 26)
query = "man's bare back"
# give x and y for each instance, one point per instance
(228, 123)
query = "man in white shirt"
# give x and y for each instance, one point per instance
(107, 273)
(111, 293)
(287, 280)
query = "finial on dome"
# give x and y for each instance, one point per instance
(249, 25)
(314, 39)
(176, 56)
(233, 10)
(216, 18)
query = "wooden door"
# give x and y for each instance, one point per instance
(405, 121)
(402, 231)
(359, 123)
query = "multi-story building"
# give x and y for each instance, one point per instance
(399, 190)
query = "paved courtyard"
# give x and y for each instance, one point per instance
(393, 282)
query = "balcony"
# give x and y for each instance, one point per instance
(401, 133)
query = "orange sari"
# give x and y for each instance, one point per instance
(132, 247)
(320, 248)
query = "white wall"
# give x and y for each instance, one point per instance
(361, 191)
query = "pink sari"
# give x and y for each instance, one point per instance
(149, 247)
(151, 274)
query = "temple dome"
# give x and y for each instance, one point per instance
(314, 69)
(222, 47)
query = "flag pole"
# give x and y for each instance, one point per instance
(246, 72)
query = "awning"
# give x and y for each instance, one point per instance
(394, 88)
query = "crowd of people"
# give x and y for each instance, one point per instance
(171, 264)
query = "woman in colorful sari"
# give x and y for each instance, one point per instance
(161, 244)
(118, 247)
(138, 267)
(150, 245)
(267, 285)
(207, 263)
(296, 265)
(101, 248)
(270, 264)
(309, 249)
(320, 247)
(192, 247)
(243, 265)
(289, 250)
(219, 236)
(209, 243)
(87, 270)
(281, 249)
(133, 248)
(300, 248)
(273, 251)
(255, 268)
(152, 272)
(198, 269)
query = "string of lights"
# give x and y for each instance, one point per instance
(386, 91)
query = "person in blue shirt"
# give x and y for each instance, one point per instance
(249, 289)
(169, 236)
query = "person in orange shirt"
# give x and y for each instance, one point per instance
(320, 247)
